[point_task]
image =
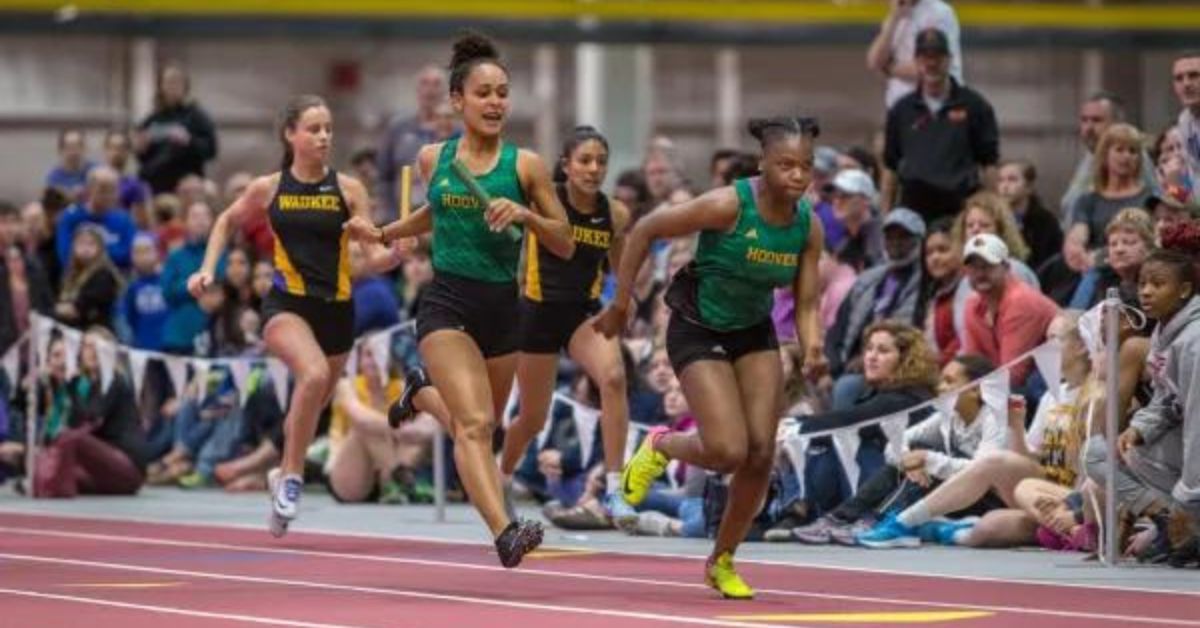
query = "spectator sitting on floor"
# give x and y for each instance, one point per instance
(1050, 449)
(261, 440)
(935, 449)
(369, 461)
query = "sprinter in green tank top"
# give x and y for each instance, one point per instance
(467, 319)
(755, 236)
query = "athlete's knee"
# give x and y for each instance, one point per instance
(726, 457)
(474, 426)
(759, 457)
(315, 377)
(612, 379)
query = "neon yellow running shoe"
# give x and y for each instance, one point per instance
(643, 468)
(720, 575)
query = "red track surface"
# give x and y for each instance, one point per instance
(65, 571)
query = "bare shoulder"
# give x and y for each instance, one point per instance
(351, 184)
(262, 189)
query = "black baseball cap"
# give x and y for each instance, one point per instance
(932, 41)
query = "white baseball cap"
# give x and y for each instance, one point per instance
(988, 247)
(855, 182)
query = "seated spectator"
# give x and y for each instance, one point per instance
(888, 291)
(70, 174)
(168, 223)
(987, 212)
(1004, 318)
(101, 445)
(133, 194)
(261, 440)
(935, 449)
(99, 208)
(1038, 226)
(51, 407)
(223, 335)
(1158, 447)
(1049, 450)
(1130, 238)
(208, 429)
(37, 236)
(186, 320)
(142, 309)
(91, 283)
(942, 304)
(854, 199)
(1118, 183)
(262, 279)
(238, 276)
(899, 372)
(369, 461)
(24, 287)
(1167, 212)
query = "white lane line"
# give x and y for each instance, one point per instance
(145, 540)
(333, 586)
(169, 610)
(6, 509)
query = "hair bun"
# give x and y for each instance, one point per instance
(471, 46)
(757, 126)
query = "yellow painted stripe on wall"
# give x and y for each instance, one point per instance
(1060, 15)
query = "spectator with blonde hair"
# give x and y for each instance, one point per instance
(1130, 239)
(988, 212)
(1117, 183)
(91, 283)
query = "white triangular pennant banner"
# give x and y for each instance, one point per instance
(106, 355)
(1048, 359)
(846, 443)
(381, 346)
(944, 404)
(995, 389)
(893, 429)
(796, 448)
(43, 329)
(200, 369)
(586, 420)
(279, 377)
(12, 367)
(177, 370)
(351, 368)
(137, 367)
(71, 341)
(240, 370)
(546, 427)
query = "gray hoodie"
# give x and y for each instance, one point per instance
(1174, 367)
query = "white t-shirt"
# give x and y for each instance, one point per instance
(926, 14)
(1189, 128)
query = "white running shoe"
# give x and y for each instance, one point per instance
(285, 499)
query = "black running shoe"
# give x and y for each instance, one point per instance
(518, 539)
(403, 411)
(1185, 556)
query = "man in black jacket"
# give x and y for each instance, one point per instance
(177, 139)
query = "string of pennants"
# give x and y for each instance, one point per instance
(791, 437)
(995, 388)
(178, 367)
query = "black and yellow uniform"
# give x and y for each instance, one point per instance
(560, 294)
(721, 302)
(312, 259)
(474, 288)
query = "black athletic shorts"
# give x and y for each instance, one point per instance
(332, 322)
(688, 342)
(548, 327)
(485, 311)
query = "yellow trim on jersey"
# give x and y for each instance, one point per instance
(533, 275)
(283, 264)
(343, 281)
(598, 284)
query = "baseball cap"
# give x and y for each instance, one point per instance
(825, 160)
(855, 182)
(987, 247)
(906, 219)
(932, 40)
